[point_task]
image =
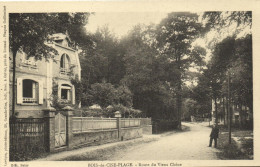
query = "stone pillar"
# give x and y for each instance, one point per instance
(69, 135)
(49, 115)
(118, 123)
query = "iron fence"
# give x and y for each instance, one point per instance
(27, 136)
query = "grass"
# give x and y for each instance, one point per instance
(241, 148)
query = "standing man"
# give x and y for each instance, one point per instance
(214, 135)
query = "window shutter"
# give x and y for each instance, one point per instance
(34, 90)
(69, 95)
(73, 94)
(40, 92)
(19, 90)
(59, 91)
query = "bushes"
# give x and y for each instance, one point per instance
(87, 112)
(106, 94)
(78, 89)
(111, 99)
(126, 112)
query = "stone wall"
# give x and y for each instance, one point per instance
(131, 133)
(147, 130)
(90, 138)
(102, 137)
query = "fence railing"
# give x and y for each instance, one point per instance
(29, 100)
(64, 71)
(130, 122)
(27, 135)
(86, 124)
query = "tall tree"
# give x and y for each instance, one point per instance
(146, 73)
(175, 35)
(102, 60)
(231, 51)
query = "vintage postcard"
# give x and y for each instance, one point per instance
(129, 83)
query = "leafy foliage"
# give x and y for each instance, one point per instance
(106, 94)
(102, 59)
(78, 89)
(175, 35)
(30, 31)
(231, 56)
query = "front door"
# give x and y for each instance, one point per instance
(60, 130)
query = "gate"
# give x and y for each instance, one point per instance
(60, 130)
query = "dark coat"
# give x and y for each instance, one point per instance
(214, 132)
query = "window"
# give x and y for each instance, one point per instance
(28, 61)
(66, 92)
(29, 91)
(64, 64)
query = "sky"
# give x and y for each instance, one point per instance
(122, 22)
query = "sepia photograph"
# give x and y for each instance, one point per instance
(129, 86)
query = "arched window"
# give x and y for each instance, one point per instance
(65, 61)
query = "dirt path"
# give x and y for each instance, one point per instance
(190, 145)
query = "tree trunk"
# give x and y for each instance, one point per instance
(224, 111)
(227, 118)
(179, 94)
(216, 110)
(13, 82)
(179, 103)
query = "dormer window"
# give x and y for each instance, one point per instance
(28, 61)
(65, 64)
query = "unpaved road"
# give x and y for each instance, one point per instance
(189, 145)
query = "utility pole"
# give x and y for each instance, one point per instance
(229, 110)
